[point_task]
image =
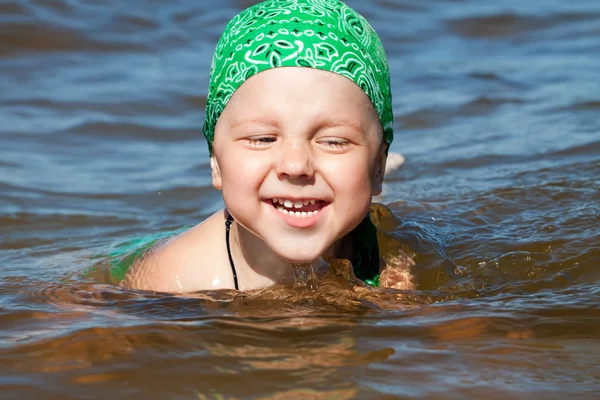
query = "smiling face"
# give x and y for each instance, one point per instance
(298, 154)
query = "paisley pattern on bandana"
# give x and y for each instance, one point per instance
(322, 34)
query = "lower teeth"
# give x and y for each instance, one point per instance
(297, 214)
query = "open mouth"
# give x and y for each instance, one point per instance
(299, 208)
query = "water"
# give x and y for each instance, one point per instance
(497, 109)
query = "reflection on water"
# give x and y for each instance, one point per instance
(497, 115)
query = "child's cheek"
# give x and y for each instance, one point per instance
(347, 172)
(246, 171)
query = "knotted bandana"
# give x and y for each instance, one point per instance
(323, 34)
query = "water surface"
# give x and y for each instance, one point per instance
(497, 108)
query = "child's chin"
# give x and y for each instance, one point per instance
(297, 249)
(299, 257)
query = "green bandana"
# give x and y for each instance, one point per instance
(323, 34)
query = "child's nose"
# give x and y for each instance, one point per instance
(295, 160)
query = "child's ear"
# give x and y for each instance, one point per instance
(217, 181)
(379, 170)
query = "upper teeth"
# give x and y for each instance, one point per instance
(295, 204)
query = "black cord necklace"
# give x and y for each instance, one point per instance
(228, 223)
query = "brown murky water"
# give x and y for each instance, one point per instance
(497, 110)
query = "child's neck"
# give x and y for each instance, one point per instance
(257, 265)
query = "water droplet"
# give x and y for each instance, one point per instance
(460, 270)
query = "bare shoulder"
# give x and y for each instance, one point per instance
(193, 260)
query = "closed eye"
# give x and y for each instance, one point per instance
(334, 143)
(259, 141)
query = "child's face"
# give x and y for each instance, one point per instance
(304, 137)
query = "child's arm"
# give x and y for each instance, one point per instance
(395, 272)
(394, 263)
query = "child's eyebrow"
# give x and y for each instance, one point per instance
(334, 123)
(329, 123)
(259, 121)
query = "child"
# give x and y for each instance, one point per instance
(298, 125)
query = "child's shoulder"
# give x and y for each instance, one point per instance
(193, 260)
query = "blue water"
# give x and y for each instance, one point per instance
(497, 112)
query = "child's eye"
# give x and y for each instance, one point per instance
(334, 143)
(260, 140)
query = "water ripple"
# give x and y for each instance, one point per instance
(496, 111)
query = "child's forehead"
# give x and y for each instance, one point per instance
(277, 106)
(302, 85)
